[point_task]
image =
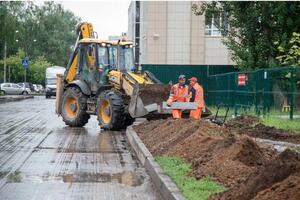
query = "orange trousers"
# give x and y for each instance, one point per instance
(176, 113)
(196, 114)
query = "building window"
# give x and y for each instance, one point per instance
(212, 24)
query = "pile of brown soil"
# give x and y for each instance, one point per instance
(230, 160)
(278, 179)
(247, 169)
(211, 149)
(266, 132)
(160, 136)
(242, 122)
(154, 93)
(251, 126)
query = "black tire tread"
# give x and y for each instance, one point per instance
(118, 110)
(82, 116)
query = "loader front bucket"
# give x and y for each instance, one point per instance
(145, 99)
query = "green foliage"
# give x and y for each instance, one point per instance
(37, 70)
(191, 188)
(45, 33)
(254, 27)
(35, 73)
(292, 55)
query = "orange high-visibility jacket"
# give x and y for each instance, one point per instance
(179, 94)
(199, 97)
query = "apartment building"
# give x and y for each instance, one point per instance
(167, 32)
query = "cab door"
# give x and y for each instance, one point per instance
(93, 61)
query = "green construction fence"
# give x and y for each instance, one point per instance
(167, 73)
(269, 90)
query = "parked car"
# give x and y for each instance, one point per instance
(12, 88)
(38, 88)
(26, 86)
(35, 88)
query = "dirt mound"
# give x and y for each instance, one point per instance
(266, 132)
(160, 136)
(154, 93)
(230, 160)
(211, 149)
(242, 122)
(289, 188)
(250, 125)
(276, 179)
(229, 155)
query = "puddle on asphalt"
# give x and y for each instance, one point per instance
(105, 143)
(127, 178)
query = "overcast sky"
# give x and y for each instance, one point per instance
(107, 17)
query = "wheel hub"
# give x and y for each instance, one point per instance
(73, 107)
(107, 111)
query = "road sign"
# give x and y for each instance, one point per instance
(242, 78)
(25, 63)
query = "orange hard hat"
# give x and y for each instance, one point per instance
(193, 79)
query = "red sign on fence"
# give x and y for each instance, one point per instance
(242, 78)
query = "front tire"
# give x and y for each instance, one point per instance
(74, 107)
(25, 93)
(110, 111)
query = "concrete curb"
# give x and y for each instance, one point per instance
(7, 98)
(166, 187)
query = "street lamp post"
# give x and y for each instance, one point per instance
(4, 75)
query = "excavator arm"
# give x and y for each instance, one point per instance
(84, 30)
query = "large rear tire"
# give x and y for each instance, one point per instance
(74, 107)
(110, 111)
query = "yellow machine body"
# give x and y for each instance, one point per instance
(138, 89)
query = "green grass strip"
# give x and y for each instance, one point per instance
(285, 124)
(192, 189)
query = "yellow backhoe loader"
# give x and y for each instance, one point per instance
(101, 79)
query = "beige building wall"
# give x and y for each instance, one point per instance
(178, 32)
(153, 32)
(171, 34)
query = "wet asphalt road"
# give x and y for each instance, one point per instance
(41, 158)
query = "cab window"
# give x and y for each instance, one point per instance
(6, 85)
(103, 56)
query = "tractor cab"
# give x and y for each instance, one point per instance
(121, 56)
(93, 62)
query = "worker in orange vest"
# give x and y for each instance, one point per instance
(196, 95)
(179, 93)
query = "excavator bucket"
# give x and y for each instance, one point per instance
(150, 101)
(146, 99)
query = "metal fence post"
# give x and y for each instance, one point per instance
(264, 93)
(292, 92)
(234, 94)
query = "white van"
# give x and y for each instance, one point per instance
(50, 85)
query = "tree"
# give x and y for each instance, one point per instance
(292, 55)
(35, 73)
(42, 33)
(253, 28)
(54, 33)
(37, 70)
